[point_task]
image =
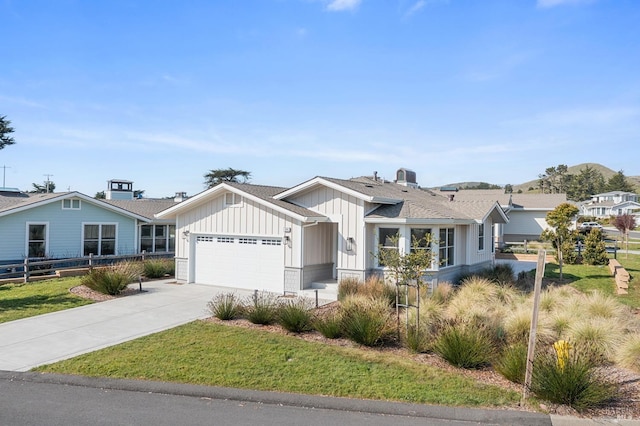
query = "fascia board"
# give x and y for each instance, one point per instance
(496, 207)
(420, 221)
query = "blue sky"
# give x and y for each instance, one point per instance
(159, 92)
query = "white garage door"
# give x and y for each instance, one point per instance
(248, 262)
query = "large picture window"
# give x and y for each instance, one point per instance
(157, 238)
(421, 236)
(446, 243)
(99, 239)
(388, 240)
(37, 240)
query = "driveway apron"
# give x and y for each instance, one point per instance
(30, 342)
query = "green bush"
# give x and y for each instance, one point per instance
(595, 251)
(417, 340)
(225, 306)
(158, 268)
(263, 308)
(464, 346)
(329, 325)
(512, 363)
(577, 383)
(112, 279)
(295, 316)
(366, 320)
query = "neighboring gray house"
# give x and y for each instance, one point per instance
(612, 203)
(72, 224)
(527, 212)
(285, 239)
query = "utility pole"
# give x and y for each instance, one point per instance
(4, 175)
(48, 180)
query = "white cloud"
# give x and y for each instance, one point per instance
(553, 3)
(417, 6)
(340, 5)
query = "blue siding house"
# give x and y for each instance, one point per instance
(72, 224)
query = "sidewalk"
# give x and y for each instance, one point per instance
(30, 342)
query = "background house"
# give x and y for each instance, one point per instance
(613, 203)
(285, 239)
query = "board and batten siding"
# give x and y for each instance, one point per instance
(64, 229)
(348, 212)
(247, 218)
(524, 225)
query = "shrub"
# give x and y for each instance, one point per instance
(577, 382)
(329, 325)
(112, 279)
(595, 251)
(348, 287)
(263, 308)
(512, 363)
(366, 320)
(464, 346)
(417, 340)
(628, 354)
(295, 316)
(374, 287)
(225, 306)
(158, 268)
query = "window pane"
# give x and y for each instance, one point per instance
(161, 244)
(386, 236)
(91, 232)
(146, 244)
(90, 247)
(108, 247)
(422, 236)
(145, 230)
(109, 231)
(160, 230)
(37, 232)
(36, 249)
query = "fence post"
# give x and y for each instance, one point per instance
(143, 253)
(26, 269)
(90, 262)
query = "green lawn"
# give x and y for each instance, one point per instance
(212, 354)
(40, 297)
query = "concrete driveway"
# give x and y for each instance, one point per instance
(30, 342)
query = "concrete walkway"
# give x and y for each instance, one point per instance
(30, 342)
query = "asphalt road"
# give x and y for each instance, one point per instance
(52, 400)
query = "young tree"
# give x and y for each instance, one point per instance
(100, 195)
(595, 251)
(5, 132)
(216, 176)
(625, 223)
(561, 236)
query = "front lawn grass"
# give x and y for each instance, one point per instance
(587, 278)
(206, 353)
(40, 297)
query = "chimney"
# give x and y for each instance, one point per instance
(180, 197)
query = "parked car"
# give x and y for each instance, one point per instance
(586, 227)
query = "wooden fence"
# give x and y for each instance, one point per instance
(40, 269)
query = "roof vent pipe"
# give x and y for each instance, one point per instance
(375, 176)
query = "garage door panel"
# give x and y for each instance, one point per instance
(248, 262)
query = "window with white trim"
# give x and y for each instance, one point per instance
(36, 239)
(446, 242)
(157, 238)
(388, 239)
(71, 204)
(99, 239)
(232, 199)
(481, 237)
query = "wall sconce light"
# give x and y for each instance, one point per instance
(185, 234)
(350, 242)
(287, 240)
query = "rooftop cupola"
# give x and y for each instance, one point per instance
(119, 189)
(406, 177)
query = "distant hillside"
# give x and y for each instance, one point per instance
(573, 170)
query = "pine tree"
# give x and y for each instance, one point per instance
(595, 251)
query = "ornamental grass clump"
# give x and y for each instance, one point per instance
(367, 320)
(112, 279)
(512, 363)
(329, 325)
(628, 353)
(465, 346)
(225, 306)
(348, 287)
(295, 315)
(158, 268)
(263, 308)
(572, 378)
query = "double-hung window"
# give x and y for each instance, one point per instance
(446, 243)
(388, 239)
(481, 237)
(37, 239)
(99, 239)
(71, 204)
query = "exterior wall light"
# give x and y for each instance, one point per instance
(350, 242)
